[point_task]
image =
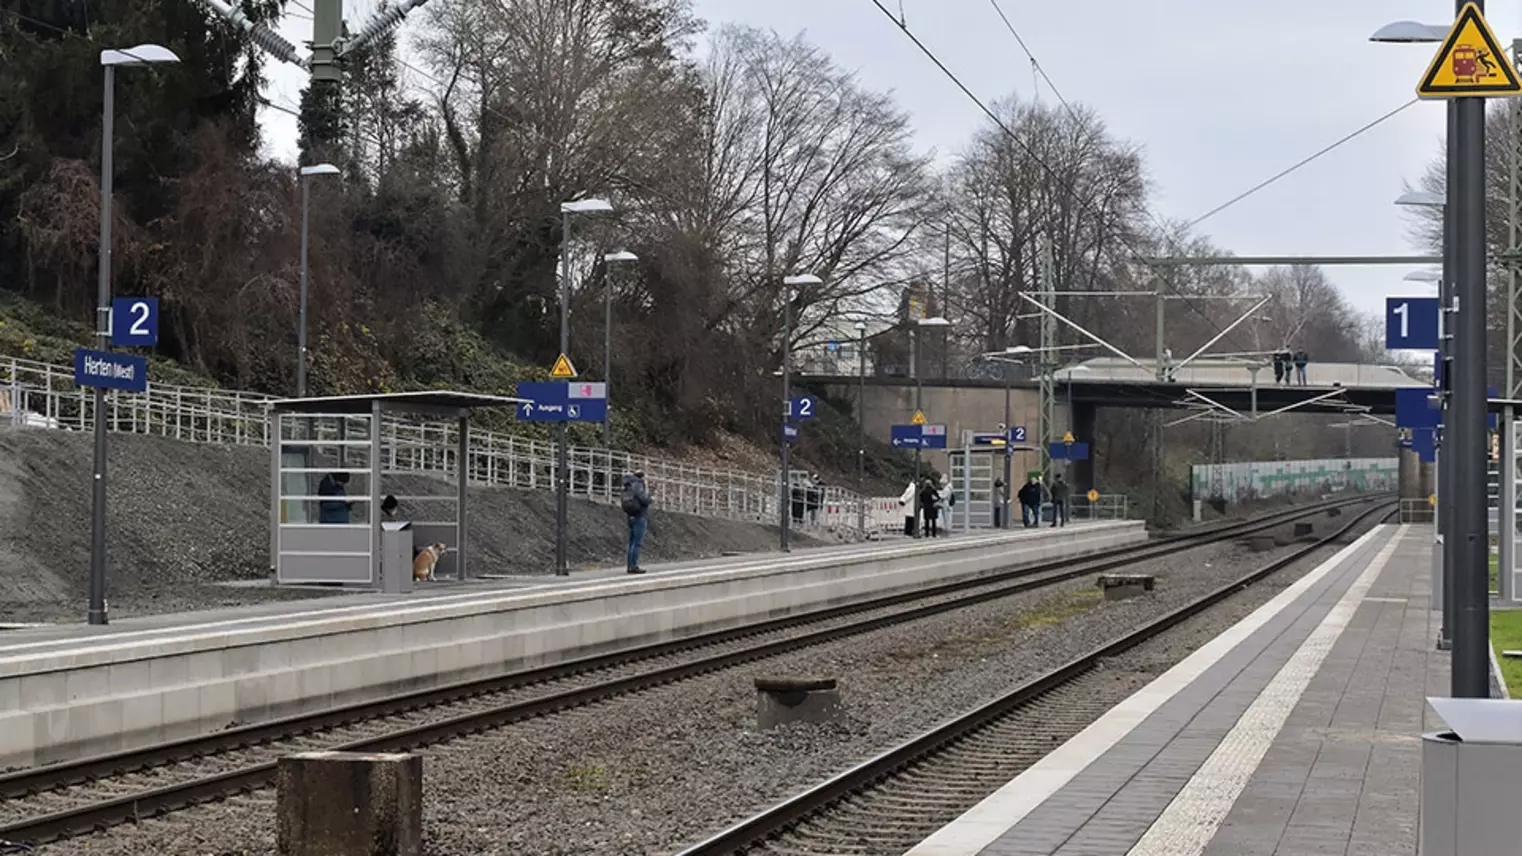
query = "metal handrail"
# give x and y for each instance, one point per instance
(44, 395)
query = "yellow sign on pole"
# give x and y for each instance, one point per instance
(1471, 63)
(919, 418)
(1432, 499)
(1067, 437)
(1093, 496)
(563, 367)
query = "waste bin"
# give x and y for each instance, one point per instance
(396, 556)
(1472, 778)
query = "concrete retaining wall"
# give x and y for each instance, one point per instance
(67, 700)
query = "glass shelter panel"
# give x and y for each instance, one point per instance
(323, 475)
(972, 479)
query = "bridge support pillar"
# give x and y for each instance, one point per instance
(1084, 418)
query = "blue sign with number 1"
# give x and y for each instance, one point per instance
(1411, 323)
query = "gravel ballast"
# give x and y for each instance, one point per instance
(653, 772)
(183, 517)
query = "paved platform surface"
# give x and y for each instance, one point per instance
(41, 637)
(1295, 733)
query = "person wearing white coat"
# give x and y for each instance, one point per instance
(906, 502)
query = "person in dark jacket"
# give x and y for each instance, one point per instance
(1301, 359)
(334, 510)
(636, 505)
(930, 500)
(1030, 502)
(1059, 492)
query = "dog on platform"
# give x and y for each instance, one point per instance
(427, 559)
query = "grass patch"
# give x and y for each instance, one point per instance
(587, 779)
(1060, 609)
(1506, 635)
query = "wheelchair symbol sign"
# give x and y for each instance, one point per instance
(573, 411)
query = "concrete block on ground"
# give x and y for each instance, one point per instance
(1124, 586)
(783, 700)
(1304, 529)
(349, 804)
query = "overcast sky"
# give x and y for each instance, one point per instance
(1220, 96)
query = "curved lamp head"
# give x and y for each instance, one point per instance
(802, 279)
(586, 206)
(320, 169)
(620, 256)
(140, 55)
(1409, 32)
(861, 326)
(1421, 197)
(937, 321)
(1423, 276)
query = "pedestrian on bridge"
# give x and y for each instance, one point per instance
(1279, 367)
(636, 504)
(1301, 359)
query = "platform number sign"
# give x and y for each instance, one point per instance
(802, 407)
(1017, 433)
(1411, 323)
(135, 322)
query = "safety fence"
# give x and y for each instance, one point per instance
(44, 395)
(1416, 511)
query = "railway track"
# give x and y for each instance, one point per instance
(890, 803)
(67, 799)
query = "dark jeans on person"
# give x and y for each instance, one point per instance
(1059, 512)
(1028, 515)
(637, 526)
(930, 530)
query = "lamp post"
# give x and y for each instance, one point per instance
(785, 493)
(919, 406)
(563, 439)
(1464, 554)
(1447, 547)
(861, 426)
(109, 60)
(301, 344)
(607, 347)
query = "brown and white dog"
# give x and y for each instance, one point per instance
(427, 559)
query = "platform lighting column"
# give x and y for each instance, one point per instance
(563, 437)
(607, 350)
(307, 172)
(861, 427)
(785, 493)
(109, 60)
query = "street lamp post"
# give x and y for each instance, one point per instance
(109, 60)
(607, 348)
(563, 439)
(919, 405)
(301, 345)
(785, 493)
(861, 427)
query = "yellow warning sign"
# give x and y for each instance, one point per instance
(1067, 437)
(1432, 499)
(1470, 62)
(1093, 496)
(563, 367)
(919, 418)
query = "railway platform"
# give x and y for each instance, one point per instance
(1296, 732)
(74, 690)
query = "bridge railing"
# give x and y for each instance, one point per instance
(44, 395)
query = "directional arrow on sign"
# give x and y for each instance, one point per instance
(528, 408)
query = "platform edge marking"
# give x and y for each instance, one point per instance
(1000, 811)
(1191, 820)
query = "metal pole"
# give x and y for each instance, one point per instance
(861, 430)
(914, 364)
(607, 358)
(563, 439)
(462, 453)
(301, 334)
(1471, 613)
(1506, 515)
(785, 510)
(1448, 319)
(1009, 454)
(97, 606)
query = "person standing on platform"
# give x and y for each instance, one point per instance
(1059, 491)
(1030, 502)
(906, 502)
(636, 505)
(334, 507)
(1301, 359)
(930, 499)
(1001, 499)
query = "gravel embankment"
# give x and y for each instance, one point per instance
(650, 773)
(183, 517)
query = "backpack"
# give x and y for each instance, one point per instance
(630, 500)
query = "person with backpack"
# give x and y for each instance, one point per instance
(636, 505)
